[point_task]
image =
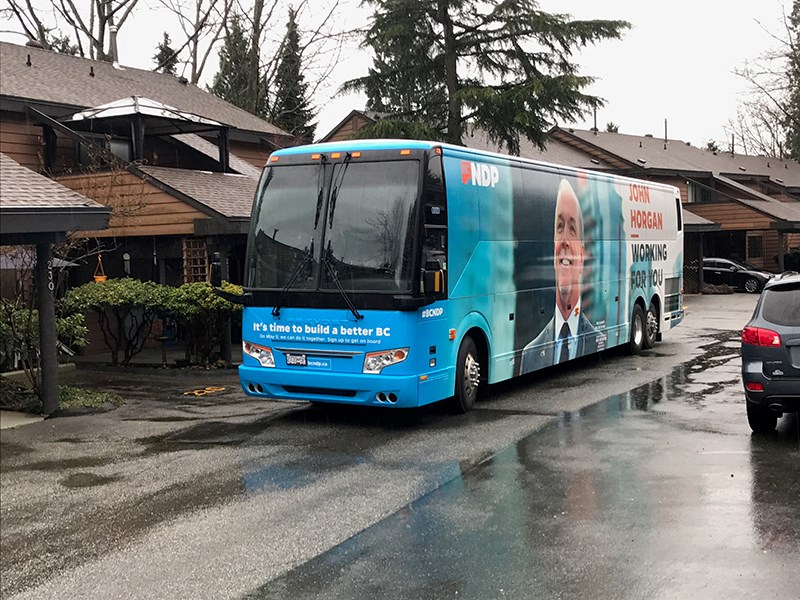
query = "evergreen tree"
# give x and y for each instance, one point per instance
(291, 109)
(166, 58)
(62, 44)
(502, 66)
(233, 82)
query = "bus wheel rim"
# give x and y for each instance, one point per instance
(472, 374)
(652, 324)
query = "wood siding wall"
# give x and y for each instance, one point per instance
(731, 215)
(349, 128)
(21, 141)
(255, 154)
(139, 208)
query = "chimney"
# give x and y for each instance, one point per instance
(114, 52)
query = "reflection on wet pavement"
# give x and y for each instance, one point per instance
(645, 495)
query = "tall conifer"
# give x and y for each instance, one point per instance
(504, 66)
(291, 109)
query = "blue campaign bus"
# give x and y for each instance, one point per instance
(399, 273)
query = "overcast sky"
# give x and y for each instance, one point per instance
(676, 63)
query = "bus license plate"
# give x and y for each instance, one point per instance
(296, 360)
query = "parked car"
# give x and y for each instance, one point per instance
(771, 353)
(739, 275)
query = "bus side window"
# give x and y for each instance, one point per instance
(434, 250)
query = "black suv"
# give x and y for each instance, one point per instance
(771, 353)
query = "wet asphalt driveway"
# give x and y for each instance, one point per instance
(617, 478)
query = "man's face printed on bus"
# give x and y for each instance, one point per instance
(568, 251)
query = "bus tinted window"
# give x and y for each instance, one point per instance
(283, 228)
(370, 236)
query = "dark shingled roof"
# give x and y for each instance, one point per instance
(227, 194)
(31, 203)
(649, 152)
(67, 80)
(22, 188)
(556, 152)
(212, 151)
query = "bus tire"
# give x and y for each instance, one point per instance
(650, 327)
(468, 375)
(636, 342)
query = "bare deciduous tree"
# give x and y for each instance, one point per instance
(90, 22)
(767, 116)
(203, 25)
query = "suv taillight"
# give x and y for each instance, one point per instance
(756, 336)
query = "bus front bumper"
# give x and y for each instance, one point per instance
(342, 388)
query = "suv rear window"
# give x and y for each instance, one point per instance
(781, 305)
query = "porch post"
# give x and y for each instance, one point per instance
(48, 353)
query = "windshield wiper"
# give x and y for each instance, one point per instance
(337, 187)
(320, 186)
(276, 311)
(332, 273)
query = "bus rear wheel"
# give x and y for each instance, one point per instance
(636, 342)
(468, 377)
(650, 327)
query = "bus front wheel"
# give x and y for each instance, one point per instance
(636, 342)
(468, 377)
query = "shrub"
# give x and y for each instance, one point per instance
(19, 336)
(125, 308)
(203, 316)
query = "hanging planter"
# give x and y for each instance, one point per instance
(99, 272)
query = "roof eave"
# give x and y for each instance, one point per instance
(23, 220)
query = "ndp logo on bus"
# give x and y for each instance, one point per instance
(479, 174)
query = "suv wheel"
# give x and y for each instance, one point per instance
(761, 419)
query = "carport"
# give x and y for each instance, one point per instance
(694, 228)
(37, 211)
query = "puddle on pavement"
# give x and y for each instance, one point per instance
(11, 449)
(205, 434)
(531, 503)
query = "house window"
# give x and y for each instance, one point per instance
(698, 193)
(119, 147)
(755, 246)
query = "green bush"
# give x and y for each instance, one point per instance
(126, 309)
(19, 336)
(203, 316)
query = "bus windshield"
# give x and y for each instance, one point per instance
(357, 235)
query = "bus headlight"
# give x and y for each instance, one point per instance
(374, 362)
(261, 353)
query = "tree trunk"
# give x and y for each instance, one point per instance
(451, 76)
(254, 66)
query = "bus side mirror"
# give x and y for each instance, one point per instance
(433, 278)
(216, 270)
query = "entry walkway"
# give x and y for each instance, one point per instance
(10, 418)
